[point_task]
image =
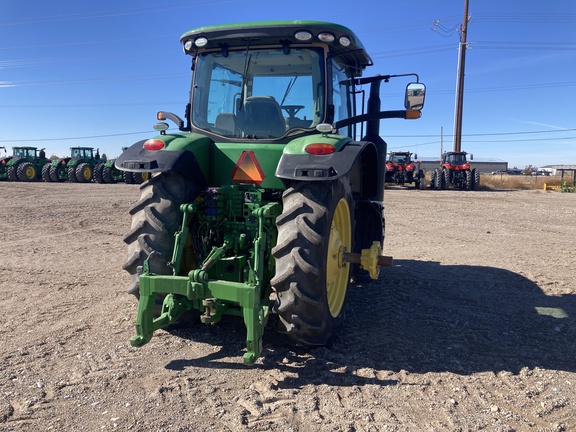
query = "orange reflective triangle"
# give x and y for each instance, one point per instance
(247, 169)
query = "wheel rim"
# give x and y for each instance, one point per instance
(30, 173)
(87, 173)
(338, 272)
(145, 176)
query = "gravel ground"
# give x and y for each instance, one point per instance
(473, 328)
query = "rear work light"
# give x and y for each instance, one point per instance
(154, 145)
(320, 149)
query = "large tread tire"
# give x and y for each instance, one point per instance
(84, 173)
(155, 218)
(54, 173)
(309, 287)
(468, 181)
(26, 172)
(140, 177)
(107, 174)
(129, 177)
(421, 183)
(46, 172)
(438, 179)
(71, 174)
(475, 179)
(12, 173)
(97, 176)
(445, 180)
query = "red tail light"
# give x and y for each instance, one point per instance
(320, 149)
(154, 145)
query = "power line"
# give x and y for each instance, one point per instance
(387, 136)
(109, 14)
(74, 138)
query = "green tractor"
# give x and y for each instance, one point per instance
(25, 164)
(79, 167)
(106, 172)
(263, 202)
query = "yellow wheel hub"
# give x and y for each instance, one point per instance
(87, 173)
(30, 173)
(337, 271)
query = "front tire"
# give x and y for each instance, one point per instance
(311, 283)
(26, 172)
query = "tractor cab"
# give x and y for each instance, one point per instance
(82, 153)
(399, 159)
(451, 160)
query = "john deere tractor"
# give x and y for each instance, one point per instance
(263, 201)
(106, 172)
(401, 169)
(79, 167)
(455, 171)
(25, 164)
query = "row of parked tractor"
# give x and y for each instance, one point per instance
(454, 171)
(84, 165)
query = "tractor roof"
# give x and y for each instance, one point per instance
(344, 42)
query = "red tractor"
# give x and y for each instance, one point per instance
(401, 169)
(455, 171)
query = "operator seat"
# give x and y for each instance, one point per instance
(263, 117)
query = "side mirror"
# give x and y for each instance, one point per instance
(414, 99)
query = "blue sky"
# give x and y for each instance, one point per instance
(95, 73)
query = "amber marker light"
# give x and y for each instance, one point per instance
(320, 149)
(413, 114)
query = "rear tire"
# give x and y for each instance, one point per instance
(468, 181)
(128, 179)
(58, 173)
(475, 179)
(421, 183)
(107, 174)
(71, 174)
(12, 173)
(46, 172)
(438, 179)
(310, 285)
(84, 173)
(445, 183)
(140, 177)
(98, 178)
(155, 218)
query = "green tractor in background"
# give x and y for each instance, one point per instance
(106, 172)
(269, 197)
(25, 164)
(79, 167)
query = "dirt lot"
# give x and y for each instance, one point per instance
(473, 328)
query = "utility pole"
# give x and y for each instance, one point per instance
(460, 82)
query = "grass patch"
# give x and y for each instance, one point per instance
(517, 182)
